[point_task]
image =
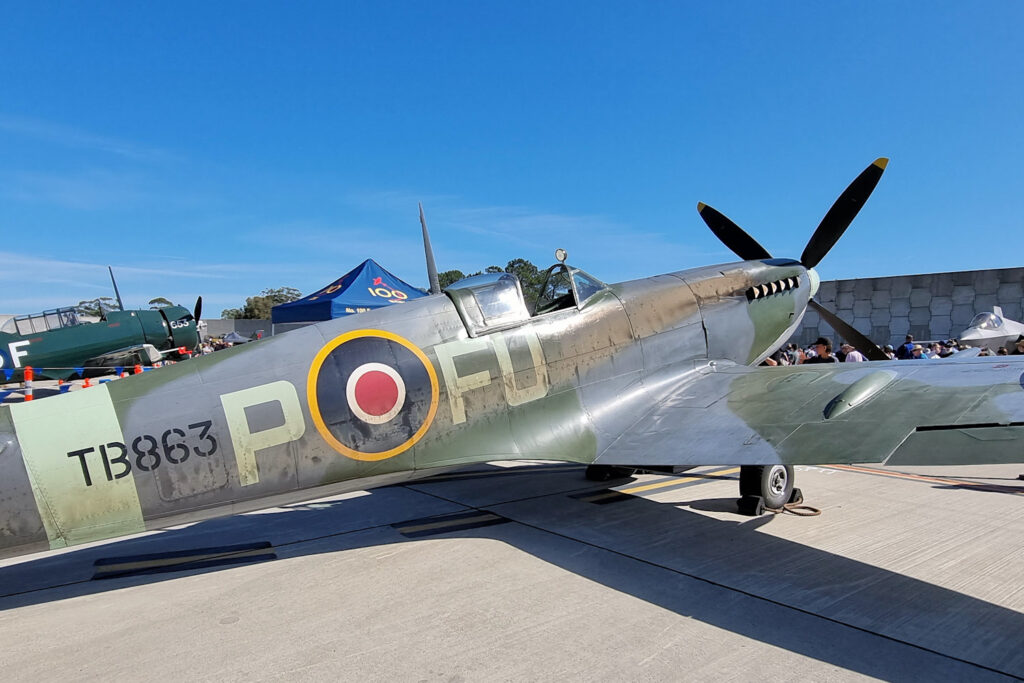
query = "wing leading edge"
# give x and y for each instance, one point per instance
(899, 412)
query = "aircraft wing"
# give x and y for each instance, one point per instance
(129, 355)
(899, 412)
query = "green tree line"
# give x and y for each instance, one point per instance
(529, 276)
(97, 307)
(258, 307)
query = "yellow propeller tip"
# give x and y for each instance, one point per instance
(881, 162)
(700, 206)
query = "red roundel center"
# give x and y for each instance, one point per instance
(376, 392)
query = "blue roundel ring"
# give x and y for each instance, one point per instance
(372, 394)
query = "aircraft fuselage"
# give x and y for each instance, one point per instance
(372, 399)
(56, 353)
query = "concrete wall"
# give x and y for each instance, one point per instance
(931, 306)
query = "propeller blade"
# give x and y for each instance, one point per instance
(198, 311)
(849, 333)
(732, 235)
(842, 213)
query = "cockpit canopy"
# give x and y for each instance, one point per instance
(986, 321)
(491, 300)
(495, 301)
(42, 322)
(564, 287)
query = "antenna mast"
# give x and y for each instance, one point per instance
(435, 284)
(116, 293)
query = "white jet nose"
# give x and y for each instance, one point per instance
(812, 275)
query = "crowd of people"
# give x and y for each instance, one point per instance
(821, 352)
(213, 344)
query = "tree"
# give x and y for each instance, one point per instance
(449, 277)
(529, 276)
(160, 302)
(95, 307)
(258, 307)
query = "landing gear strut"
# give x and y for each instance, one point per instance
(766, 486)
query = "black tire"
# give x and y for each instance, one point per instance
(607, 472)
(774, 483)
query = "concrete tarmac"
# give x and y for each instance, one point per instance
(508, 573)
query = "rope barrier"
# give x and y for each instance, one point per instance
(797, 509)
(80, 370)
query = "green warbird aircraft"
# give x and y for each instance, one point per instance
(650, 373)
(59, 345)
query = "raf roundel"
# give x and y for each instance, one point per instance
(372, 394)
(375, 393)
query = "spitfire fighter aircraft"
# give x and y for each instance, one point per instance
(992, 330)
(657, 372)
(59, 345)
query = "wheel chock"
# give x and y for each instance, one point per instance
(752, 506)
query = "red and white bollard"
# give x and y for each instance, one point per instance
(28, 382)
(138, 369)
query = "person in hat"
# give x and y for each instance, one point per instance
(852, 354)
(888, 350)
(823, 352)
(917, 353)
(1018, 347)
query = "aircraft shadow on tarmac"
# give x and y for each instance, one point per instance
(724, 573)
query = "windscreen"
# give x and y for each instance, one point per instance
(986, 321)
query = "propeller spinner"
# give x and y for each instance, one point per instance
(828, 232)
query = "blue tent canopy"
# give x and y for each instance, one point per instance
(364, 288)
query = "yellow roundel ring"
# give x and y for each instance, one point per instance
(314, 401)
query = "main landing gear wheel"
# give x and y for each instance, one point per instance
(772, 484)
(607, 472)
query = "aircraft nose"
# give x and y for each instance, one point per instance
(812, 275)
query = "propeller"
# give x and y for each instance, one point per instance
(842, 213)
(828, 232)
(850, 333)
(825, 236)
(732, 235)
(197, 313)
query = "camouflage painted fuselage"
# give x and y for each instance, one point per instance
(649, 372)
(273, 421)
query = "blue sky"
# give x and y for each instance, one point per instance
(223, 148)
